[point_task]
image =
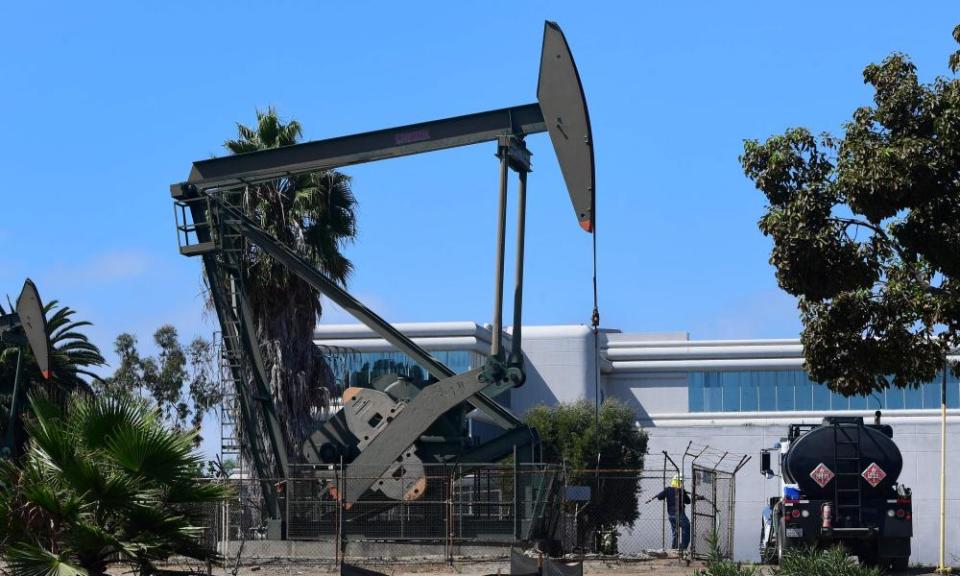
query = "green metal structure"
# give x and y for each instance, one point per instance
(385, 434)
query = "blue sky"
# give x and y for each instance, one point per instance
(107, 103)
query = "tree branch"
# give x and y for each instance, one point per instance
(879, 231)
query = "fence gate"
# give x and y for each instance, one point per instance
(713, 494)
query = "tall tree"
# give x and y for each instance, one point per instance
(315, 215)
(179, 380)
(866, 230)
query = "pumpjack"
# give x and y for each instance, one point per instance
(385, 434)
(24, 327)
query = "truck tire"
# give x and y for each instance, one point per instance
(768, 550)
(900, 564)
(783, 544)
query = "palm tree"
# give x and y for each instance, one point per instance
(72, 355)
(313, 214)
(72, 358)
(102, 482)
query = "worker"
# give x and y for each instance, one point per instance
(677, 499)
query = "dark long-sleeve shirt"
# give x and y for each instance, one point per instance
(672, 496)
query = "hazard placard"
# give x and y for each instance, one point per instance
(874, 474)
(822, 475)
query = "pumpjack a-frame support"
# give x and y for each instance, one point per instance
(214, 229)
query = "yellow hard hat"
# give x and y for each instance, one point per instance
(676, 481)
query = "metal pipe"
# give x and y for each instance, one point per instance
(496, 337)
(516, 351)
(618, 352)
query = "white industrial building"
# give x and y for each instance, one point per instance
(735, 395)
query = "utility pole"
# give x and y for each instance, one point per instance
(942, 565)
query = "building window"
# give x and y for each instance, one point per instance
(792, 391)
(361, 369)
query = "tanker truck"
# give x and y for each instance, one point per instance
(838, 485)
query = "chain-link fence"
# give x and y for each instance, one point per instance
(451, 511)
(472, 513)
(714, 493)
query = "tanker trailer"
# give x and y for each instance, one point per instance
(838, 485)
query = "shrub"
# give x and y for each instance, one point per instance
(718, 565)
(834, 561)
(103, 481)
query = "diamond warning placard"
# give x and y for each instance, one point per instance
(822, 475)
(874, 474)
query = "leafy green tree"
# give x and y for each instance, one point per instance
(102, 482)
(866, 231)
(179, 380)
(568, 436)
(313, 214)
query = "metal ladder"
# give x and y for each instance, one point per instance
(230, 427)
(233, 372)
(848, 494)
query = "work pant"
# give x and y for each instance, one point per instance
(682, 539)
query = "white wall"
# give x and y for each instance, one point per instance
(560, 366)
(653, 393)
(917, 437)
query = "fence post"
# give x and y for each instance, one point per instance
(225, 528)
(731, 498)
(693, 513)
(338, 539)
(676, 526)
(449, 516)
(516, 496)
(663, 510)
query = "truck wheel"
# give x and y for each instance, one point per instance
(768, 551)
(782, 543)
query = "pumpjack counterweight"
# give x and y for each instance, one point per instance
(380, 430)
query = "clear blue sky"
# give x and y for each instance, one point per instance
(106, 103)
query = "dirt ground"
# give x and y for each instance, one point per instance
(665, 567)
(660, 567)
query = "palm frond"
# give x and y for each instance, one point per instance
(247, 134)
(28, 559)
(102, 481)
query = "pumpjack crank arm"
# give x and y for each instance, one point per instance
(411, 422)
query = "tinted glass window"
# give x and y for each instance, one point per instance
(792, 390)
